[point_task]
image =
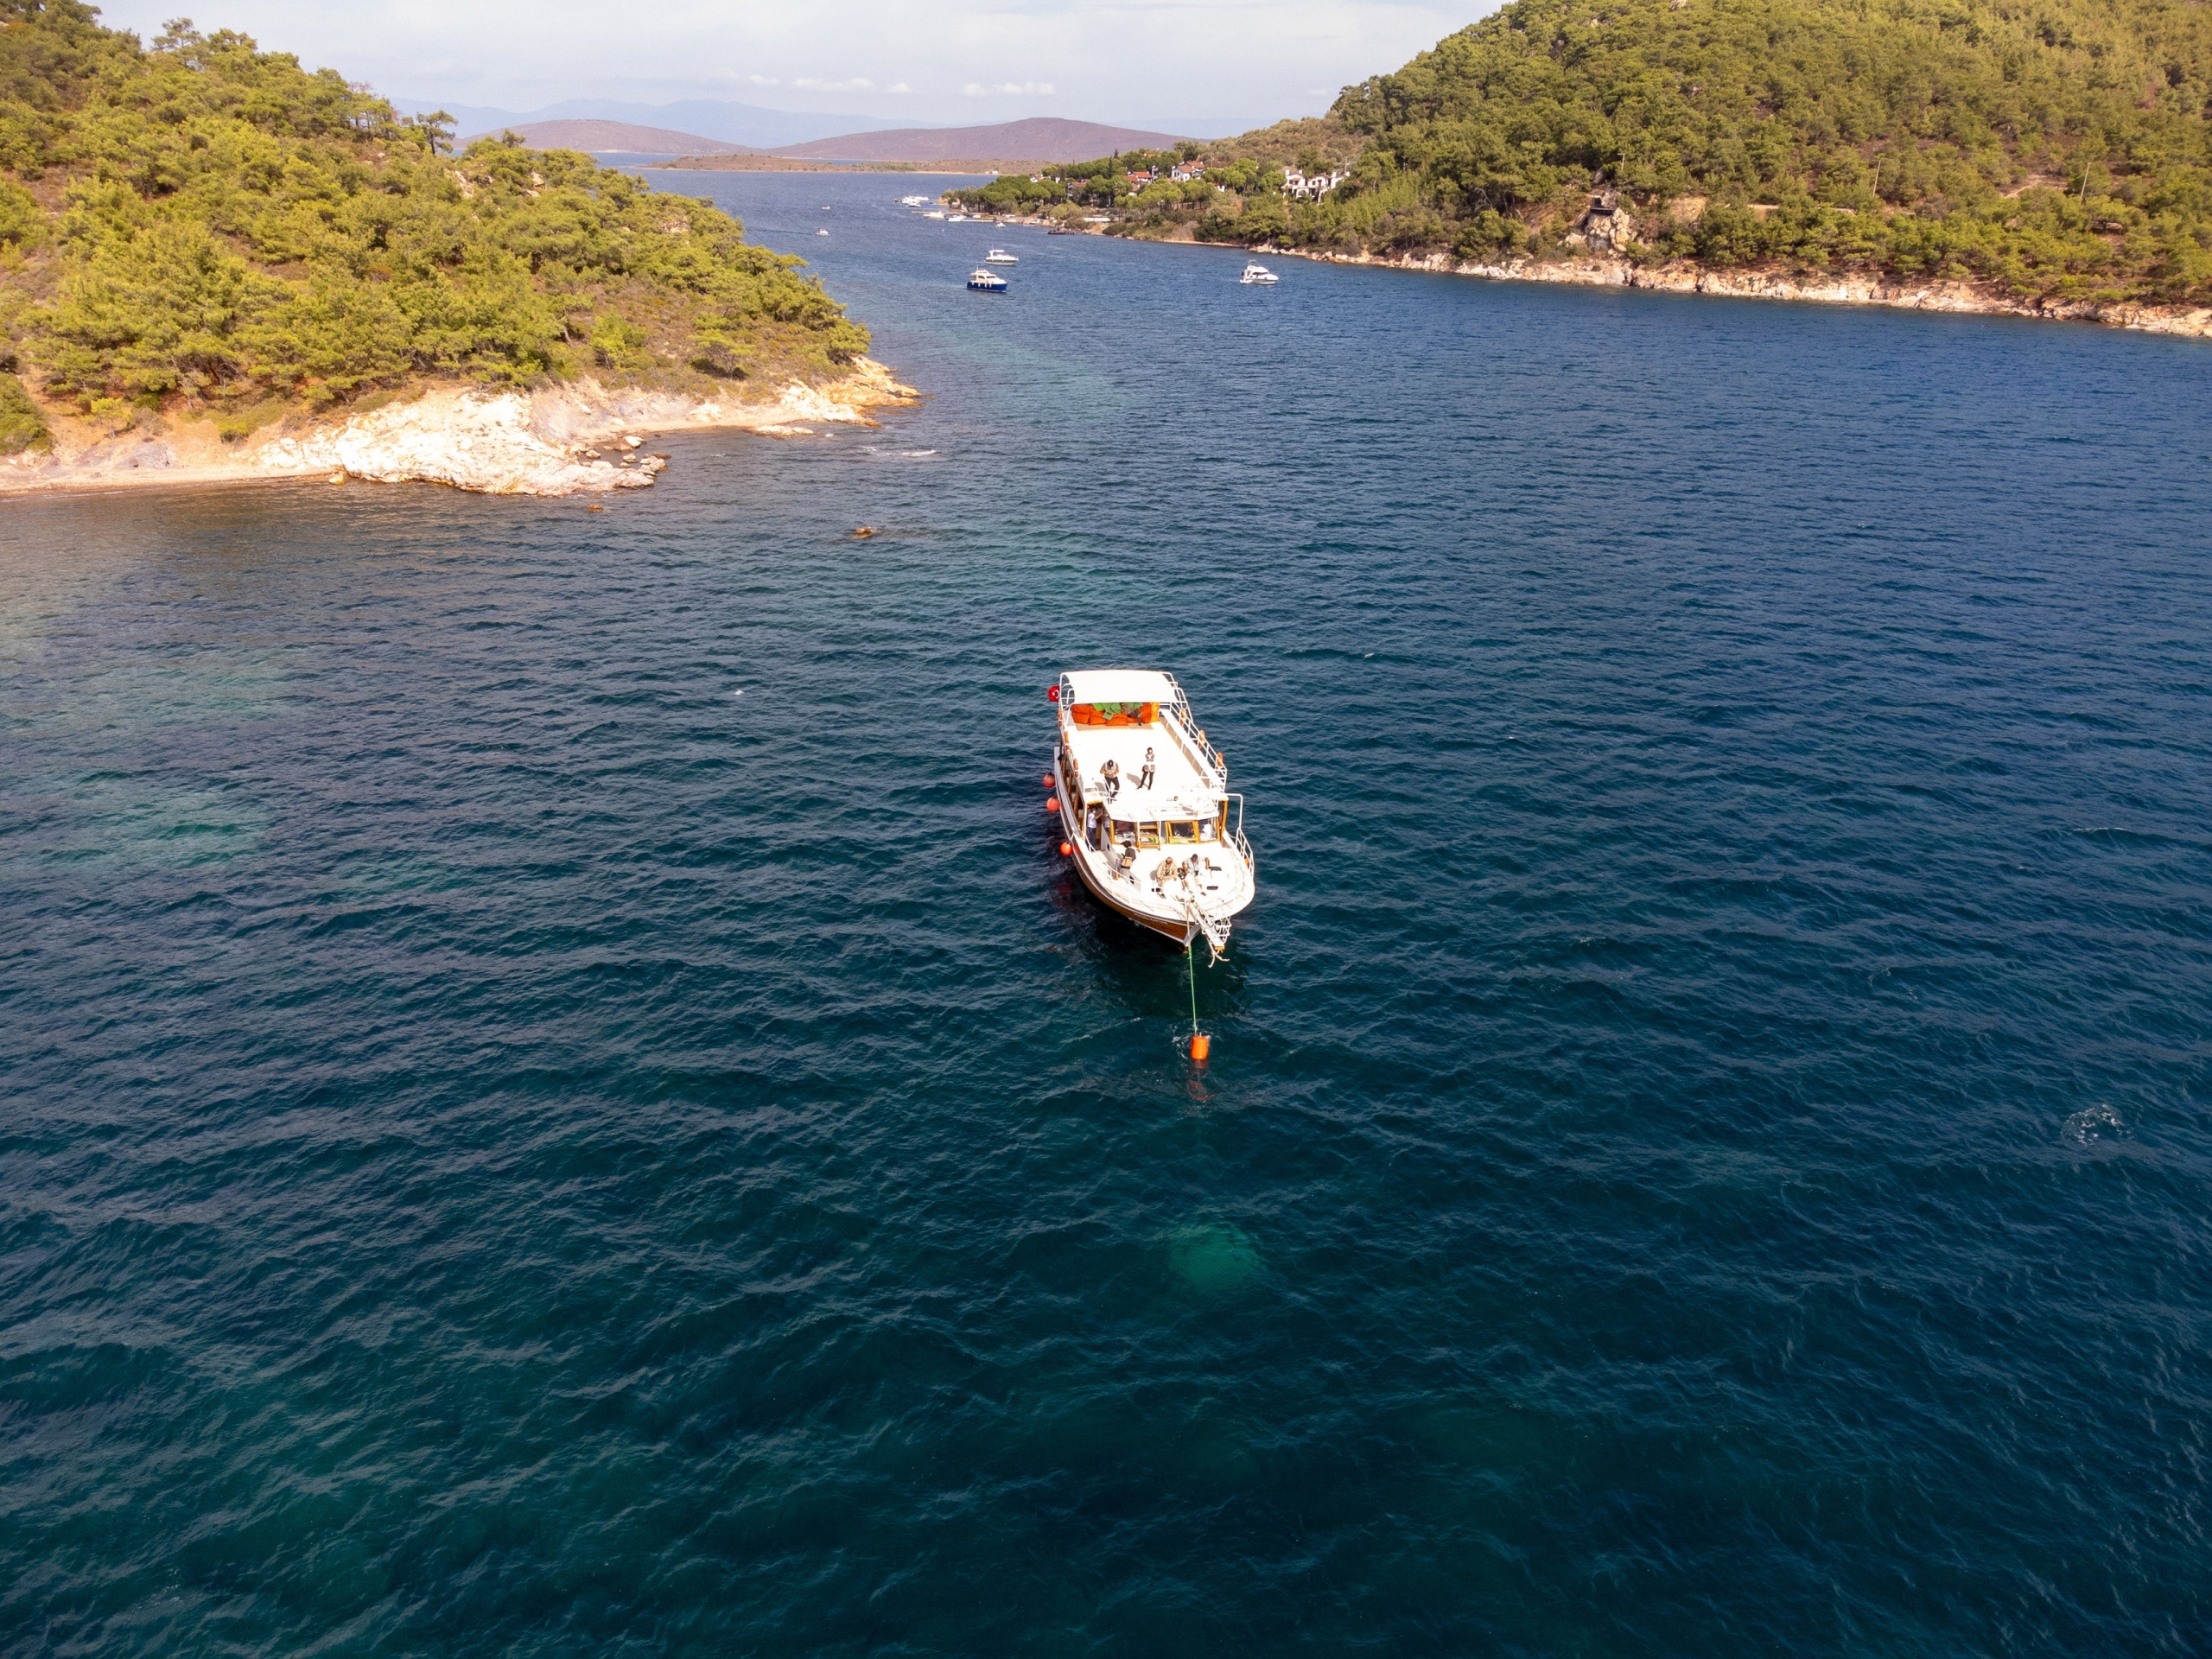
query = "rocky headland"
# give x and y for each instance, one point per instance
(575, 438)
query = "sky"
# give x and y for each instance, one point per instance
(1189, 66)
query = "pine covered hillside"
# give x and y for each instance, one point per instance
(2050, 148)
(201, 228)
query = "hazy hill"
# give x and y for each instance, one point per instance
(616, 137)
(1041, 138)
(199, 228)
(723, 121)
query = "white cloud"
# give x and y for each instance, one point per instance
(1008, 89)
(898, 86)
(764, 81)
(857, 83)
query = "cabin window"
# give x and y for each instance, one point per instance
(1147, 834)
(1181, 832)
(1207, 831)
(1124, 831)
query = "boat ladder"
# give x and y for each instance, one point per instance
(1215, 929)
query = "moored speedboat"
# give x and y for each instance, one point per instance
(913, 201)
(988, 282)
(1160, 842)
(1001, 257)
(1255, 273)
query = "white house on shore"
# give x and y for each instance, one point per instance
(1296, 185)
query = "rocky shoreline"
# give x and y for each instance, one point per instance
(583, 438)
(2193, 321)
(1681, 278)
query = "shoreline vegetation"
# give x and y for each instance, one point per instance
(215, 265)
(2049, 159)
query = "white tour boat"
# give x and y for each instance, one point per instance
(1001, 257)
(1161, 843)
(988, 281)
(1255, 272)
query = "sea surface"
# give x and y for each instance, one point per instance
(557, 1098)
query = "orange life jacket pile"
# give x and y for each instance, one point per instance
(1116, 714)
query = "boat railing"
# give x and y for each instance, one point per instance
(1235, 832)
(1183, 724)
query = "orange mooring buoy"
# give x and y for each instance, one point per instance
(1052, 806)
(1048, 783)
(1067, 849)
(1201, 1045)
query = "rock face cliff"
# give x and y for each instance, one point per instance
(573, 439)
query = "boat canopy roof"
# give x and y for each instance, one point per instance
(1121, 685)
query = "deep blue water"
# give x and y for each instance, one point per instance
(507, 1145)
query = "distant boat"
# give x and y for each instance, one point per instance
(1001, 257)
(934, 213)
(1255, 272)
(955, 219)
(988, 282)
(821, 232)
(913, 201)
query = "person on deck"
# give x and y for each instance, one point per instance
(1110, 778)
(1144, 778)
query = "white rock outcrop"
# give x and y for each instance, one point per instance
(542, 443)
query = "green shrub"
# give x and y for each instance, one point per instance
(230, 229)
(22, 425)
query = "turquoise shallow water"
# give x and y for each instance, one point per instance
(507, 1145)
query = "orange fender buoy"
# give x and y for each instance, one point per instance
(1067, 848)
(1052, 806)
(1048, 783)
(1201, 1045)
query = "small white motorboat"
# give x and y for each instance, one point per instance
(988, 282)
(1256, 273)
(821, 232)
(1001, 257)
(955, 219)
(935, 213)
(913, 201)
(1145, 808)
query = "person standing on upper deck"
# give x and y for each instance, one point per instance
(1144, 778)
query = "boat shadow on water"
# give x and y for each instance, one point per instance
(1142, 973)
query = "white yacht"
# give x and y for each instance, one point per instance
(1001, 257)
(934, 213)
(1255, 273)
(1159, 841)
(913, 201)
(988, 282)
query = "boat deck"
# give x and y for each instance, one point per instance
(1180, 788)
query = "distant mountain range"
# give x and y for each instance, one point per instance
(1041, 138)
(618, 138)
(716, 121)
(1038, 140)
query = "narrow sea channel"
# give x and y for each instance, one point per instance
(510, 1146)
